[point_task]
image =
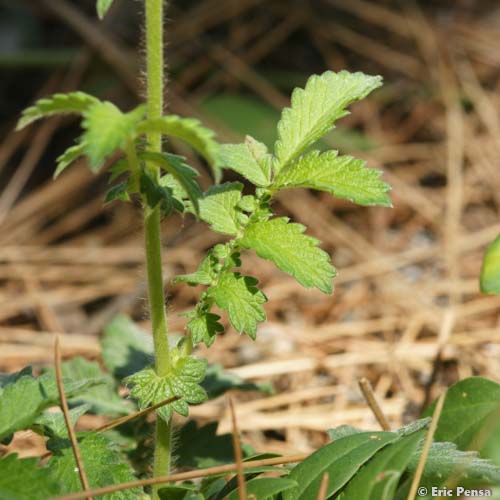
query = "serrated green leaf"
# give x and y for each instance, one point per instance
(103, 7)
(73, 102)
(218, 381)
(315, 108)
(201, 447)
(265, 487)
(341, 459)
(204, 275)
(52, 423)
(107, 129)
(190, 130)
(293, 252)
(25, 479)
(183, 379)
(204, 327)
(379, 477)
(68, 157)
(24, 398)
(240, 297)
(126, 348)
(155, 194)
(490, 270)
(104, 398)
(118, 192)
(342, 176)
(218, 207)
(249, 159)
(175, 165)
(469, 404)
(103, 466)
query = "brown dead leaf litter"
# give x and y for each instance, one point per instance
(406, 313)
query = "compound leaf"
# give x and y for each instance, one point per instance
(190, 130)
(68, 157)
(239, 296)
(490, 270)
(107, 129)
(249, 159)
(183, 380)
(218, 207)
(342, 176)
(293, 252)
(315, 108)
(102, 7)
(24, 478)
(102, 463)
(341, 459)
(73, 102)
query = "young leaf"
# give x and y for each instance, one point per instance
(107, 129)
(103, 466)
(68, 157)
(341, 459)
(118, 192)
(73, 102)
(183, 379)
(52, 423)
(218, 207)
(239, 296)
(342, 176)
(183, 173)
(190, 130)
(155, 193)
(204, 275)
(490, 270)
(103, 7)
(204, 327)
(265, 487)
(379, 477)
(24, 478)
(126, 349)
(315, 108)
(469, 404)
(292, 251)
(249, 159)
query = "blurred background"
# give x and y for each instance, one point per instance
(406, 313)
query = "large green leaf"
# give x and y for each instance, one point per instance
(25, 479)
(342, 176)
(218, 207)
(265, 487)
(182, 380)
(490, 271)
(240, 297)
(470, 404)
(126, 348)
(315, 108)
(73, 102)
(292, 251)
(103, 467)
(341, 459)
(191, 131)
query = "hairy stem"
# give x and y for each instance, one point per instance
(154, 72)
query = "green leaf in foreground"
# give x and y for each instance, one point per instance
(204, 327)
(126, 348)
(68, 157)
(342, 176)
(341, 459)
(103, 466)
(315, 108)
(218, 207)
(490, 270)
(240, 297)
(469, 406)
(183, 380)
(52, 423)
(107, 129)
(293, 252)
(25, 478)
(73, 102)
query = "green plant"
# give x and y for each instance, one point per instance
(355, 461)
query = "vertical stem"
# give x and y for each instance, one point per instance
(154, 72)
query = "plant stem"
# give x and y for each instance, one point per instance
(154, 72)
